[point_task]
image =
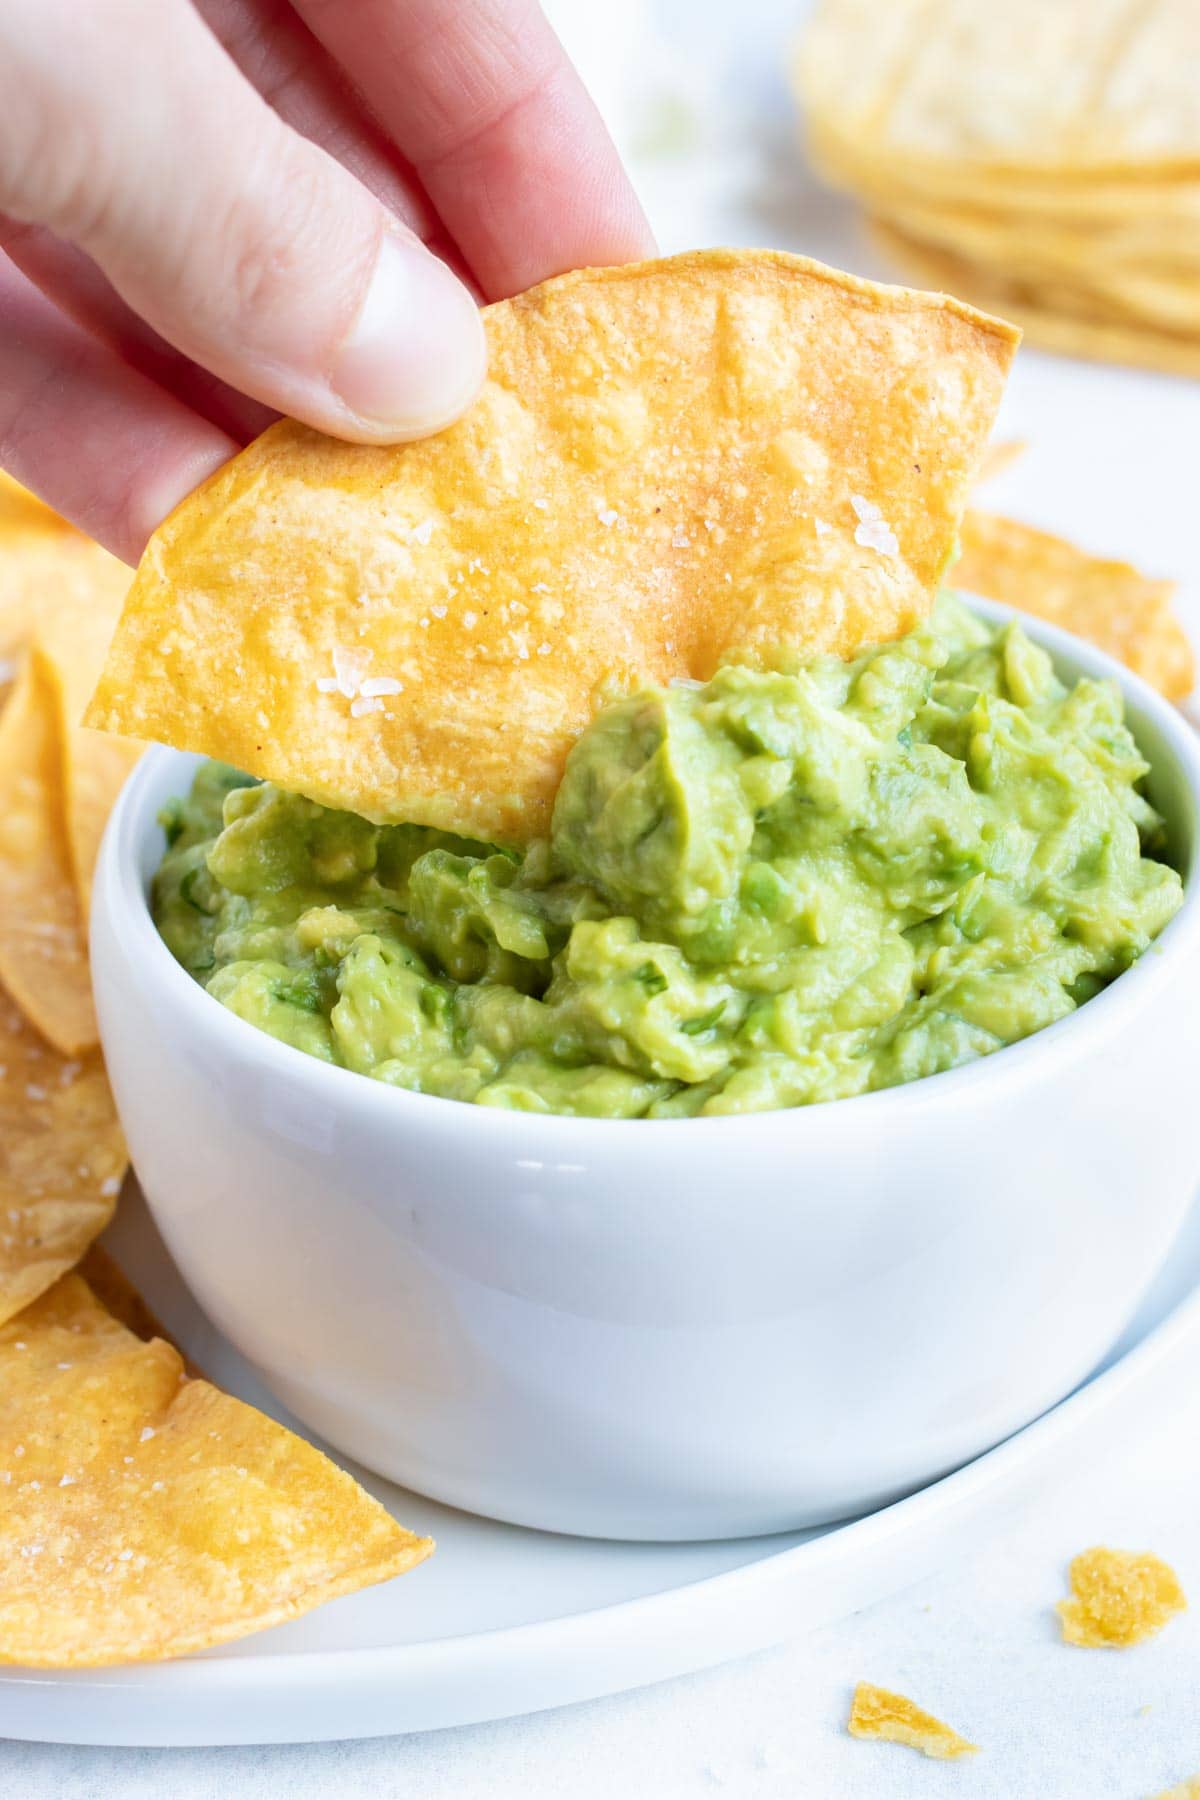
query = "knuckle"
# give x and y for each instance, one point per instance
(282, 237)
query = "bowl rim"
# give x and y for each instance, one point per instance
(121, 902)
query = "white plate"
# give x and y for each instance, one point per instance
(506, 1621)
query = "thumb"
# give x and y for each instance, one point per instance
(244, 245)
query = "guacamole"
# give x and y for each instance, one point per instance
(763, 891)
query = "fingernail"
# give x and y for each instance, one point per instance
(415, 356)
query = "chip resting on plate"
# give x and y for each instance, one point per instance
(64, 593)
(1118, 1598)
(62, 1157)
(45, 563)
(72, 633)
(875, 1712)
(144, 1515)
(43, 953)
(1110, 603)
(714, 457)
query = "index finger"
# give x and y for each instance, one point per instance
(481, 99)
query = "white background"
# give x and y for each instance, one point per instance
(696, 92)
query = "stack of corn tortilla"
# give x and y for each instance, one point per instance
(1040, 158)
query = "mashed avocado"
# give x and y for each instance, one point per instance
(761, 892)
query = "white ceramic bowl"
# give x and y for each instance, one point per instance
(664, 1329)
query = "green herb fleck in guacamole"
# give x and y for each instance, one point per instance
(766, 891)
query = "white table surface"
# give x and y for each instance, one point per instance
(1111, 461)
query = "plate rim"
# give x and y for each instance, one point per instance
(381, 1673)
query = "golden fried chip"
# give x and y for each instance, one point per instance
(1051, 320)
(1048, 165)
(45, 562)
(62, 1157)
(1119, 1598)
(96, 768)
(1152, 209)
(877, 1713)
(712, 457)
(43, 956)
(19, 507)
(998, 456)
(63, 592)
(1110, 603)
(73, 630)
(1056, 89)
(1109, 276)
(144, 1515)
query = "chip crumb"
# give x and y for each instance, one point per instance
(875, 1712)
(1118, 1598)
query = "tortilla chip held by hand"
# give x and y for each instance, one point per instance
(719, 456)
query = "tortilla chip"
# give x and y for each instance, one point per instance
(143, 1515)
(1119, 1598)
(998, 456)
(43, 956)
(1053, 89)
(97, 766)
(73, 631)
(1109, 603)
(44, 561)
(1050, 320)
(671, 465)
(63, 592)
(1048, 167)
(19, 507)
(1098, 201)
(1107, 276)
(877, 1713)
(62, 1157)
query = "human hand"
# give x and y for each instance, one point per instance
(217, 210)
